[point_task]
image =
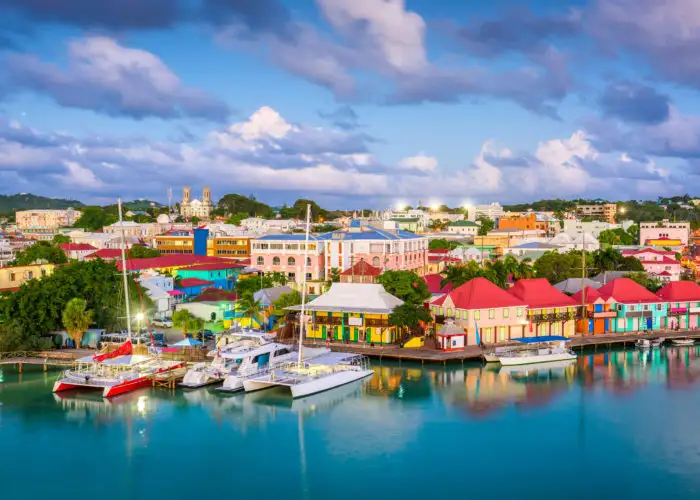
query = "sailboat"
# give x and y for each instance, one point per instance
(312, 375)
(118, 371)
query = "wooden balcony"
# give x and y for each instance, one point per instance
(602, 314)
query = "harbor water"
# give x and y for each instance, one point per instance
(618, 424)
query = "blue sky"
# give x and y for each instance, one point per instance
(356, 103)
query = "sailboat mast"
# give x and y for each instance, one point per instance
(126, 281)
(302, 329)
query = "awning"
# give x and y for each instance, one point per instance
(188, 342)
(173, 293)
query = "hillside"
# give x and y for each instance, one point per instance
(26, 201)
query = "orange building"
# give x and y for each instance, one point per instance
(531, 221)
(237, 247)
(600, 313)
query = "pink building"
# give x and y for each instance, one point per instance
(657, 263)
(650, 231)
(389, 249)
(284, 253)
(479, 304)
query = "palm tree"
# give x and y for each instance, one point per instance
(187, 322)
(525, 270)
(460, 274)
(250, 307)
(607, 260)
(497, 273)
(511, 265)
(76, 319)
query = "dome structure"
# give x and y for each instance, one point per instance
(163, 219)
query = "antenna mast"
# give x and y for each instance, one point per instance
(126, 281)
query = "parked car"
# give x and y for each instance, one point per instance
(205, 335)
(165, 323)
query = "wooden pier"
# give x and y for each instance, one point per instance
(46, 359)
(474, 353)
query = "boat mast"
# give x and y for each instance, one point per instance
(302, 329)
(126, 281)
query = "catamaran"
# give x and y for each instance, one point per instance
(537, 350)
(120, 370)
(316, 374)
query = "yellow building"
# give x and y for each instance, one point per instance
(235, 247)
(170, 244)
(353, 312)
(13, 277)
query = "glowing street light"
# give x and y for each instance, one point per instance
(400, 206)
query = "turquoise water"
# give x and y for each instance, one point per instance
(614, 425)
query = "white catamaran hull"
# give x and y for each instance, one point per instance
(328, 382)
(535, 358)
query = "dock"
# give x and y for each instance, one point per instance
(423, 355)
(46, 359)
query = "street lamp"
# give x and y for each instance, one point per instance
(139, 318)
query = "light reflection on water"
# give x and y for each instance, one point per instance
(630, 411)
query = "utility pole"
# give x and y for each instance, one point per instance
(584, 322)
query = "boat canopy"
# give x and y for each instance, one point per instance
(250, 351)
(539, 340)
(130, 359)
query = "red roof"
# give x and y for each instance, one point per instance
(177, 260)
(442, 258)
(441, 251)
(245, 262)
(362, 268)
(539, 293)
(680, 291)
(188, 282)
(591, 295)
(76, 246)
(626, 291)
(664, 273)
(480, 293)
(627, 253)
(433, 282)
(665, 260)
(106, 254)
(216, 295)
(214, 266)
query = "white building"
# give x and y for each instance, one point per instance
(77, 251)
(492, 211)
(7, 252)
(463, 227)
(262, 226)
(466, 254)
(566, 242)
(161, 290)
(574, 227)
(195, 208)
(101, 240)
(45, 220)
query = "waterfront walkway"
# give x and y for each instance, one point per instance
(471, 353)
(46, 359)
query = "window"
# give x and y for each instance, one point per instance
(276, 261)
(308, 276)
(291, 261)
(646, 307)
(12, 277)
(659, 307)
(506, 312)
(492, 313)
(519, 312)
(291, 276)
(465, 315)
(308, 261)
(477, 315)
(30, 274)
(449, 312)
(440, 311)
(261, 261)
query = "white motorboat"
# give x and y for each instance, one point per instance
(315, 375)
(262, 359)
(537, 350)
(643, 343)
(318, 374)
(683, 341)
(548, 368)
(231, 350)
(492, 355)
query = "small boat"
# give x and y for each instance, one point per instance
(683, 341)
(492, 355)
(643, 343)
(233, 348)
(538, 350)
(315, 375)
(657, 341)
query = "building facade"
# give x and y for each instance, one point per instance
(603, 211)
(11, 278)
(549, 312)
(220, 275)
(599, 314)
(29, 221)
(192, 207)
(657, 263)
(664, 230)
(493, 211)
(284, 253)
(683, 298)
(77, 251)
(463, 227)
(637, 308)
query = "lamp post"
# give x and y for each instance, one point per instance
(139, 318)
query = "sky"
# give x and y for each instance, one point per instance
(354, 103)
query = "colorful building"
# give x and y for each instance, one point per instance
(439, 259)
(221, 275)
(362, 272)
(434, 282)
(657, 263)
(389, 249)
(532, 221)
(550, 312)
(237, 247)
(683, 299)
(284, 253)
(352, 312)
(600, 312)
(77, 251)
(175, 242)
(13, 277)
(413, 224)
(479, 304)
(193, 287)
(664, 230)
(170, 263)
(637, 308)
(463, 227)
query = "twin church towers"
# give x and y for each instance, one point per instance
(192, 207)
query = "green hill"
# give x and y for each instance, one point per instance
(26, 201)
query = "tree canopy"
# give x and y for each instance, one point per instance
(617, 236)
(37, 307)
(95, 218)
(253, 284)
(187, 322)
(442, 243)
(40, 252)
(409, 315)
(486, 225)
(406, 285)
(76, 319)
(60, 239)
(141, 252)
(238, 204)
(285, 300)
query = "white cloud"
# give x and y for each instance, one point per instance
(420, 163)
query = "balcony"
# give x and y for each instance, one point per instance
(639, 314)
(553, 317)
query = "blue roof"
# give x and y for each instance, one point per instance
(369, 233)
(546, 338)
(288, 237)
(355, 223)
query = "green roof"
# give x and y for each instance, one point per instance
(467, 223)
(405, 220)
